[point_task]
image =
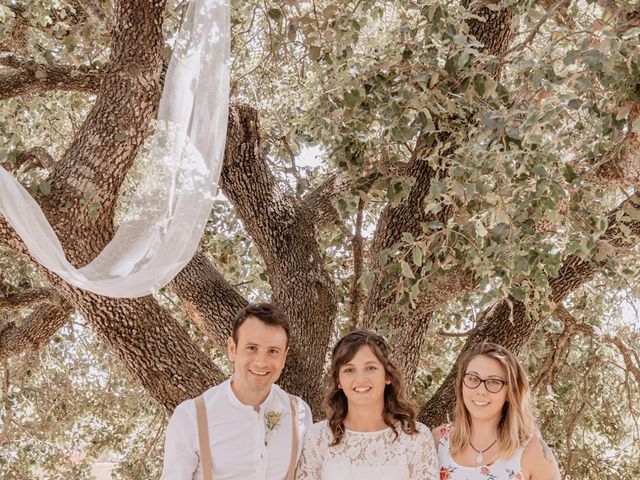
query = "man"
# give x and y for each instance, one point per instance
(251, 431)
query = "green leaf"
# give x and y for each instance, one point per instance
(366, 280)
(407, 237)
(519, 294)
(314, 53)
(481, 231)
(401, 134)
(406, 270)
(274, 13)
(569, 174)
(413, 293)
(120, 137)
(44, 187)
(417, 256)
(353, 98)
(94, 208)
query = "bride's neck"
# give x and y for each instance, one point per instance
(365, 420)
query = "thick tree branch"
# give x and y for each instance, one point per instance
(155, 349)
(36, 157)
(34, 331)
(29, 298)
(358, 263)
(319, 202)
(415, 326)
(106, 145)
(9, 238)
(151, 344)
(284, 234)
(208, 299)
(32, 77)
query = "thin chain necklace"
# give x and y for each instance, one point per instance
(480, 457)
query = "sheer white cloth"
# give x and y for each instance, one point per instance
(168, 211)
(368, 455)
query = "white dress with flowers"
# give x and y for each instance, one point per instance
(368, 455)
(500, 470)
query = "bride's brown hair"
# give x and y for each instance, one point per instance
(397, 408)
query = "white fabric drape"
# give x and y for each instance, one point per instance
(169, 209)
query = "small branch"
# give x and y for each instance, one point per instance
(34, 331)
(94, 9)
(356, 288)
(444, 333)
(16, 38)
(31, 77)
(29, 298)
(627, 355)
(36, 157)
(548, 371)
(319, 201)
(7, 404)
(537, 28)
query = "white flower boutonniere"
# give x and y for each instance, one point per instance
(271, 422)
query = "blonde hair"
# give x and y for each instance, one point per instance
(517, 423)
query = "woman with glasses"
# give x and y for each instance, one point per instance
(494, 435)
(371, 431)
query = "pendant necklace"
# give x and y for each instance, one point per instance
(480, 457)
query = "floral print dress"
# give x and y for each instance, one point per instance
(499, 470)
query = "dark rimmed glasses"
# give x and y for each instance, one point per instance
(493, 385)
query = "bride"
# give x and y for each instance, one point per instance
(371, 430)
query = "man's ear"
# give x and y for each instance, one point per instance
(231, 349)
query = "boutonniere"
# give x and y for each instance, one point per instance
(271, 422)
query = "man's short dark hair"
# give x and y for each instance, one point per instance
(267, 313)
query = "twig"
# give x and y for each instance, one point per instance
(356, 287)
(536, 28)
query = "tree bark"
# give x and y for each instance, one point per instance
(28, 298)
(101, 154)
(285, 236)
(34, 331)
(34, 77)
(151, 344)
(209, 300)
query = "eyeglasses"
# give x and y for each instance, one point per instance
(493, 385)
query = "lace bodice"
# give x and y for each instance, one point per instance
(368, 455)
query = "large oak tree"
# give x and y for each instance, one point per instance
(476, 180)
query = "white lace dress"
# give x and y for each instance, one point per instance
(368, 455)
